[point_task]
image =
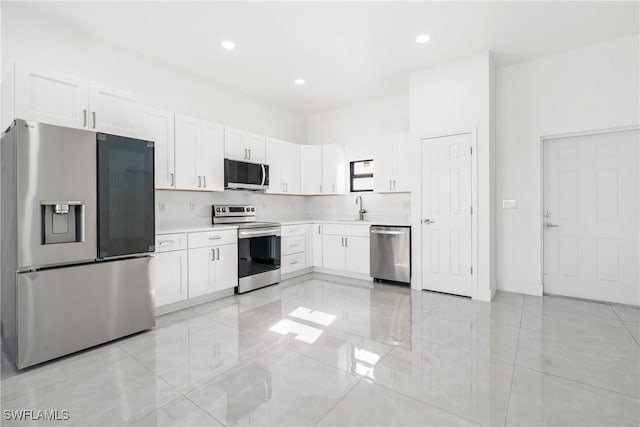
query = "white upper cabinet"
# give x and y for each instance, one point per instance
(186, 140)
(392, 163)
(49, 97)
(210, 151)
(333, 169)
(158, 127)
(244, 146)
(199, 155)
(115, 111)
(283, 159)
(311, 169)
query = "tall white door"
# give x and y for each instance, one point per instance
(446, 214)
(591, 217)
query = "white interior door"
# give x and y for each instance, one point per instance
(591, 217)
(446, 214)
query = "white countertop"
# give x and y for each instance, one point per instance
(199, 228)
(195, 228)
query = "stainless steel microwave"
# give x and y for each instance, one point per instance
(245, 176)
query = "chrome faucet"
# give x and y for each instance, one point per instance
(362, 211)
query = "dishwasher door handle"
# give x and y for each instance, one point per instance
(388, 232)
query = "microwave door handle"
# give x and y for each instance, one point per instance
(264, 174)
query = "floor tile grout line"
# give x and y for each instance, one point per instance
(515, 359)
(578, 382)
(423, 402)
(338, 402)
(624, 324)
(184, 395)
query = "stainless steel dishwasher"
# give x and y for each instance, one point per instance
(391, 253)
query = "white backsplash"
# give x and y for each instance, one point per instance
(394, 208)
(192, 208)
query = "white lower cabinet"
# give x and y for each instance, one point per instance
(346, 248)
(333, 252)
(189, 265)
(357, 254)
(212, 269)
(293, 248)
(170, 277)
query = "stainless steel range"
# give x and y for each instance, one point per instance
(258, 246)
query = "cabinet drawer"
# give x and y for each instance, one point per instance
(171, 242)
(293, 230)
(334, 229)
(293, 245)
(212, 238)
(293, 262)
(357, 230)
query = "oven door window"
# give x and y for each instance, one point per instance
(258, 254)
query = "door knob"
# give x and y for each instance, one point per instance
(549, 225)
(428, 221)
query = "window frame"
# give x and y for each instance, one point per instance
(353, 175)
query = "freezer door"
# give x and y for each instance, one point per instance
(56, 194)
(64, 310)
(126, 211)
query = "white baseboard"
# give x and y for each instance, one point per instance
(527, 288)
(191, 302)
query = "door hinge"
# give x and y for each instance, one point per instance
(472, 271)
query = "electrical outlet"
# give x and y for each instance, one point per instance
(161, 207)
(509, 204)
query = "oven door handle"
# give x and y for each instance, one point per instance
(264, 175)
(247, 234)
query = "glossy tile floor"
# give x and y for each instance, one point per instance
(323, 353)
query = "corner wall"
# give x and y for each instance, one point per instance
(444, 100)
(595, 87)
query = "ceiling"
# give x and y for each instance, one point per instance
(346, 52)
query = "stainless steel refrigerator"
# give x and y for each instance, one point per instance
(78, 230)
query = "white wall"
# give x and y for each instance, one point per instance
(37, 40)
(596, 87)
(355, 127)
(447, 99)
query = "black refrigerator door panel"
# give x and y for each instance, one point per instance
(126, 214)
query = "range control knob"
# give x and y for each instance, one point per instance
(224, 209)
(217, 209)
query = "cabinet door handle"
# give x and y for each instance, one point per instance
(286, 188)
(215, 237)
(204, 180)
(173, 179)
(84, 118)
(165, 242)
(293, 263)
(319, 229)
(249, 154)
(389, 185)
(199, 181)
(218, 254)
(346, 242)
(93, 115)
(334, 188)
(213, 254)
(394, 184)
(342, 242)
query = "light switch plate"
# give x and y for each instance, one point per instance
(509, 204)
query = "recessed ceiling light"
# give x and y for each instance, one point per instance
(299, 82)
(229, 45)
(423, 38)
